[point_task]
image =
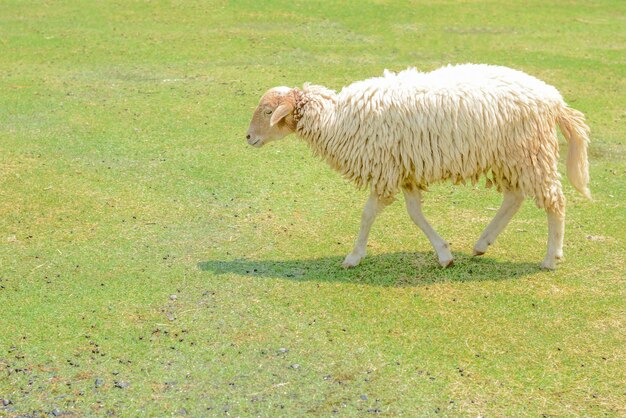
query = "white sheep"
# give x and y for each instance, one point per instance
(410, 129)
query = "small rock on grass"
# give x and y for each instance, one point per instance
(121, 385)
(295, 366)
(283, 350)
(55, 412)
(6, 402)
(99, 382)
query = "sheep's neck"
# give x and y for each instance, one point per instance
(315, 119)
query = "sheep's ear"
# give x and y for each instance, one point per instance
(280, 113)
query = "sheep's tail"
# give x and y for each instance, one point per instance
(576, 131)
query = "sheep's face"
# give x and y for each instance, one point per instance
(273, 117)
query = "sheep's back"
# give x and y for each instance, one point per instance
(454, 123)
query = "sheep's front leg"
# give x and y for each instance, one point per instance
(372, 207)
(413, 199)
(510, 205)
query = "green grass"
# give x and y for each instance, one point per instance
(125, 179)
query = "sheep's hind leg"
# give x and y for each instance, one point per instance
(413, 199)
(556, 230)
(372, 207)
(510, 205)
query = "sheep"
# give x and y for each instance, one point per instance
(407, 130)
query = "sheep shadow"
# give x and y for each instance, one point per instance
(398, 269)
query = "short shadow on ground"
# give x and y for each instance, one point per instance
(393, 269)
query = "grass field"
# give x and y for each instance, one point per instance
(152, 263)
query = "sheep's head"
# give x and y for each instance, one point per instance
(273, 117)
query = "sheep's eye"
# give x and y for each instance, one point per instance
(268, 112)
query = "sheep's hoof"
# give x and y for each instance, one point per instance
(351, 261)
(548, 265)
(446, 263)
(480, 248)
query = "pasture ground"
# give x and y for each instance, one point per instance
(152, 263)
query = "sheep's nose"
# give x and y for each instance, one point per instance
(248, 136)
